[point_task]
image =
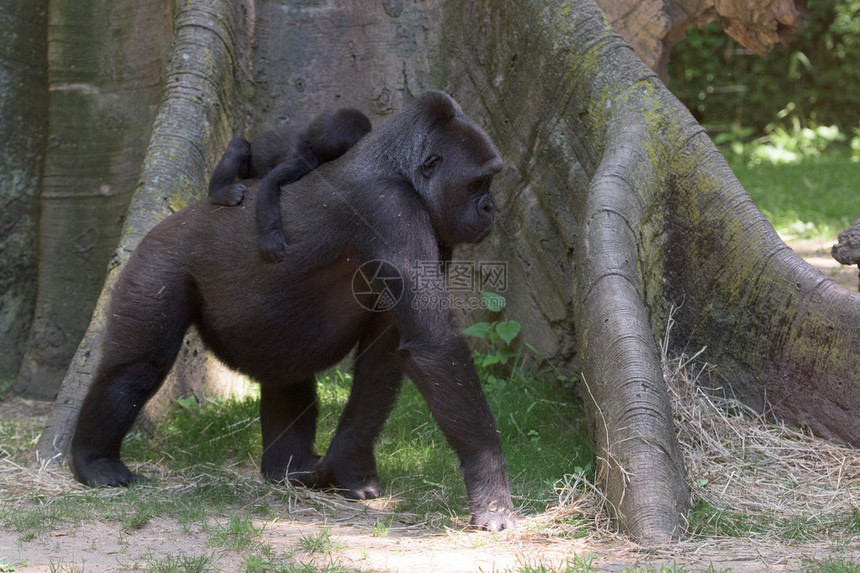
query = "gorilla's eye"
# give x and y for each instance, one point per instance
(430, 163)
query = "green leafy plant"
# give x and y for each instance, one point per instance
(498, 334)
(381, 528)
(722, 83)
(789, 142)
(734, 139)
(5, 388)
(855, 145)
(188, 403)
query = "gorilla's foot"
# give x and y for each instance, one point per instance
(272, 245)
(369, 489)
(234, 194)
(495, 516)
(354, 475)
(298, 472)
(107, 472)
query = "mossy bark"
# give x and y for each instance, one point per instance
(23, 125)
(203, 82)
(616, 209)
(102, 97)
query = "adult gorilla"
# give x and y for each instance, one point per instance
(406, 192)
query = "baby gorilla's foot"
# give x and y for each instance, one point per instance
(228, 195)
(271, 245)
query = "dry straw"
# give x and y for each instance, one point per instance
(738, 461)
(742, 463)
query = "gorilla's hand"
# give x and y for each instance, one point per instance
(271, 245)
(495, 516)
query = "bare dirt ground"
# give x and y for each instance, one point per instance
(104, 545)
(817, 253)
(100, 544)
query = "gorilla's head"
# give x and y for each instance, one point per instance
(453, 166)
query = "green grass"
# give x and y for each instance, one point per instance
(320, 542)
(542, 427)
(708, 521)
(543, 432)
(814, 199)
(177, 563)
(829, 565)
(219, 433)
(212, 448)
(574, 564)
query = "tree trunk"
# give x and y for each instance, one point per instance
(102, 98)
(193, 124)
(23, 106)
(369, 54)
(621, 208)
(614, 208)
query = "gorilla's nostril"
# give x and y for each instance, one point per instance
(486, 204)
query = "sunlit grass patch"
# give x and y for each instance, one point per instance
(542, 427)
(813, 199)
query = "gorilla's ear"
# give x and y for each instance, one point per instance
(428, 166)
(439, 105)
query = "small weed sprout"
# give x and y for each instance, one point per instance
(137, 520)
(238, 533)
(382, 528)
(177, 563)
(317, 543)
(61, 567)
(498, 334)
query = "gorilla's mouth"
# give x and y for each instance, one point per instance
(477, 233)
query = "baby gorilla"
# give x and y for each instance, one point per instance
(280, 157)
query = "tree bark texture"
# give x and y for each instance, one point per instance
(614, 208)
(652, 27)
(23, 125)
(618, 208)
(310, 57)
(193, 124)
(105, 65)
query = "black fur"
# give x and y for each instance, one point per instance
(410, 190)
(280, 157)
